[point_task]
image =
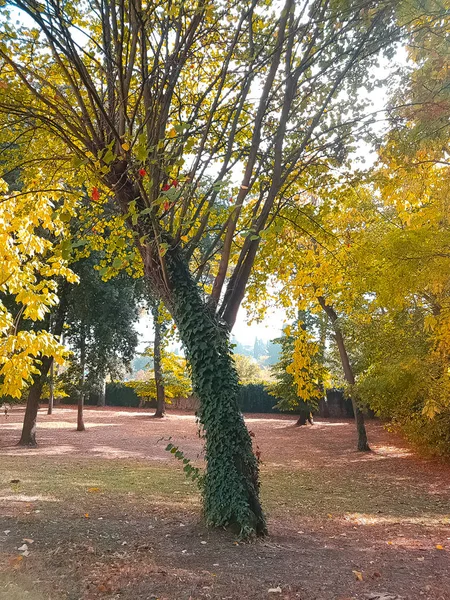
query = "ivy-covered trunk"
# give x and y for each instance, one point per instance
(231, 483)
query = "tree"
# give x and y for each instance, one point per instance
(120, 97)
(363, 444)
(157, 366)
(41, 370)
(249, 371)
(174, 377)
(28, 288)
(259, 348)
(297, 386)
(100, 324)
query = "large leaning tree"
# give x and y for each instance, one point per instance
(162, 108)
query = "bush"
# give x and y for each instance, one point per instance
(253, 398)
(432, 436)
(119, 394)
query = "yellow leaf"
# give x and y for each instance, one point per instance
(93, 490)
(184, 238)
(439, 547)
(86, 515)
(358, 575)
(125, 146)
(172, 133)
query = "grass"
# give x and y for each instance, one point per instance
(312, 493)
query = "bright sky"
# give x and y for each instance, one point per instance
(269, 329)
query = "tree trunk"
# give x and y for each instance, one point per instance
(363, 444)
(231, 482)
(301, 420)
(51, 388)
(80, 421)
(102, 392)
(157, 367)
(28, 437)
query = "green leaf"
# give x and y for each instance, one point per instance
(118, 262)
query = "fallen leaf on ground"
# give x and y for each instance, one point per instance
(16, 562)
(439, 547)
(358, 575)
(23, 547)
(93, 490)
(28, 541)
(276, 590)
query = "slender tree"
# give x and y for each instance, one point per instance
(157, 366)
(28, 436)
(363, 444)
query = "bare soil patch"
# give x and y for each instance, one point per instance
(111, 516)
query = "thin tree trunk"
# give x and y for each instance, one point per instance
(102, 392)
(157, 366)
(80, 420)
(301, 420)
(28, 437)
(51, 388)
(363, 444)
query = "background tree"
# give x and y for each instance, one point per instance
(158, 329)
(174, 374)
(250, 371)
(298, 385)
(100, 320)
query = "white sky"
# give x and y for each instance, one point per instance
(245, 333)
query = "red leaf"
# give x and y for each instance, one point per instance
(95, 195)
(175, 182)
(142, 172)
(165, 187)
(166, 205)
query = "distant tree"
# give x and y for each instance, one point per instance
(100, 320)
(259, 348)
(273, 352)
(159, 326)
(175, 377)
(249, 371)
(286, 388)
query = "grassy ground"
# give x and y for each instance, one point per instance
(111, 516)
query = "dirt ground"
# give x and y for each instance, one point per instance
(107, 514)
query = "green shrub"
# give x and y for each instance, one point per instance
(253, 398)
